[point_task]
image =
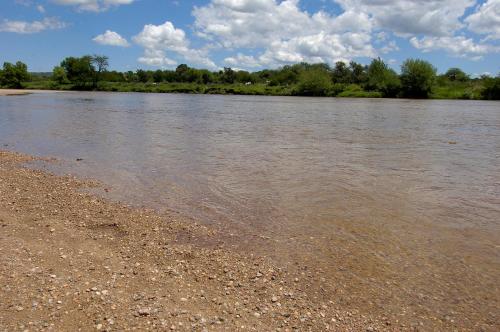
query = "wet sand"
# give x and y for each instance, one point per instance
(72, 261)
(22, 92)
(13, 92)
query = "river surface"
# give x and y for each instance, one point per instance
(396, 202)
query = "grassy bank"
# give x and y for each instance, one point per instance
(444, 90)
(417, 79)
(193, 88)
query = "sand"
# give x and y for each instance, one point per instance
(20, 92)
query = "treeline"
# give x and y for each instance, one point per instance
(417, 79)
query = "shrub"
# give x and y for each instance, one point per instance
(491, 90)
(314, 82)
(417, 78)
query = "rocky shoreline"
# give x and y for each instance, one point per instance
(71, 261)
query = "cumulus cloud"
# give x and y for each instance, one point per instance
(24, 27)
(283, 31)
(271, 33)
(157, 40)
(93, 5)
(243, 60)
(458, 46)
(413, 17)
(486, 19)
(111, 38)
(433, 25)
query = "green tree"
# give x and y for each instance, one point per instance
(182, 73)
(417, 78)
(382, 78)
(158, 76)
(228, 75)
(314, 82)
(456, 74)
(14, 74)
(79, 71)
(341, 73)
(358, 73)
(101, 64)
(143, 75)
(491, 90)
(59, 75)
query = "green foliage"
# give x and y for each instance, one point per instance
(59, 75)
(356, 91)
(228, 75)
(13, 75)
(358, 73)
(100, 63)
(417, 78)
(79, 71)
(341, 73)
(383, 79)
(456, 74)
(314, 82)
(491, 90)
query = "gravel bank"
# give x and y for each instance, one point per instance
(70, 261)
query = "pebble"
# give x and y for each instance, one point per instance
(144, 312)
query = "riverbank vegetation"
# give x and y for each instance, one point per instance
(417, 79)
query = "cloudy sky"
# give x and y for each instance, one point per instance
(252, 34)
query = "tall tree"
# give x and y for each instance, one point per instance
(456, 74)
(382, 78)
(417, 78)
(80, 71)
(13, 75)
(59, 75)
(101, 63)
(358, 73)
(341, 73)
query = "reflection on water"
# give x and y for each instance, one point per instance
(369, 184)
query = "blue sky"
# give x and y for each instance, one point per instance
(252, 34)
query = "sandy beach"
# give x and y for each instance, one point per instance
(71, 261)
(21, 92)
(13, 92)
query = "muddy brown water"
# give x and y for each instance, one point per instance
(395, 203)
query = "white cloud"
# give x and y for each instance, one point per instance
(486, 19)
(283, 32)
(389, 47)
(458, 46)
(157, 40)
(111, 38)
(246, 61)
(271, 33)
(24, 27)
(93, 5)
(413, 17)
